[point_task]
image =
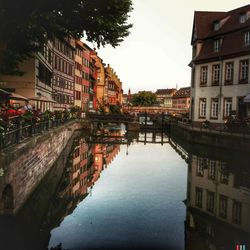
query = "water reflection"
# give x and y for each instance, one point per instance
(135, 203)
(218, 197)
(138, 202)
(218, 203)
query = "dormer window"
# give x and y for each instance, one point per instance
(216, 25)
(217, 43)
(243, 17)
(247, 38)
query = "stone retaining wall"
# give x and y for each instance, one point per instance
(23, 166)
(237, 142)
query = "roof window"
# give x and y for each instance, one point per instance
(243, 17)
(216, 25)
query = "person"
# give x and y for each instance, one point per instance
(27, 106)
(3, 108)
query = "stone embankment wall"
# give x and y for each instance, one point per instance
(23, 166)
(224, 140)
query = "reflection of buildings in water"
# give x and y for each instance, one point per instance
(98, 154)
(111, 153)
(87, 165)
(218, 205)
(104, 154)
(152, 137)
(80, 169)
(67, 185)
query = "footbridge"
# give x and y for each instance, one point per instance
(111, 118)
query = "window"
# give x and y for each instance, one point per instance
(223, 206)
(224, 178)
(192, 77)
(210, 230)
(244, 67)
(77, 95)
(202, 111)
(217, 43)
(247, 38)
(199, 168)
(229, 71)
(243, 17)
(44, 74)
(211, 170)
(198, 197)
(216, 25)
(214, 108)
(78, 66)
(227, 107)
(210, 201)
(216, 74)
(236, 212)
(203, 80)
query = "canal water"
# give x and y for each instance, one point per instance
(137, 191)
(137, 203)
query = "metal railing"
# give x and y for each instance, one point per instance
(20, 129)
(111, 117)
(223, 129)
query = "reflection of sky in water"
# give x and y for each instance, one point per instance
(137, 202)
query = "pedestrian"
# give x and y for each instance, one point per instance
(27, 106)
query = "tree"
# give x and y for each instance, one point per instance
(145, 99)
(25, 25)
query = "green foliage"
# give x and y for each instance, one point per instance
(28, 115)
(101, 109)
(144, 99)
(115, 109)
(26, 25)
(45, 116)
(75, 109)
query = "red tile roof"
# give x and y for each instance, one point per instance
(182, 92)
(203, 23)
(231, 32)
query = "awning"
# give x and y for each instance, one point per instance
(247, 98)
(4, 92)
(42, 98)
(12, 95)
(15, 96)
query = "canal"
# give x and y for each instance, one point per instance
(137, 191)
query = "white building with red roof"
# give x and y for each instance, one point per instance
(220, 84)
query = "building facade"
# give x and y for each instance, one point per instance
(78, 86)
(181, 99)
(63, 73)
(92, 82)
(101, 90)
(220, 82)
(86, 77)
(36, 80)
(164, 97)
(114, 86)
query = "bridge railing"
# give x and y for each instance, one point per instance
(111, 117)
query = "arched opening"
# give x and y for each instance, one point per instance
(8, 200)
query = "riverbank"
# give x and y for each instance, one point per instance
(218, 139)
(24, 165)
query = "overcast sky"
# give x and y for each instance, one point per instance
(158, 50)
